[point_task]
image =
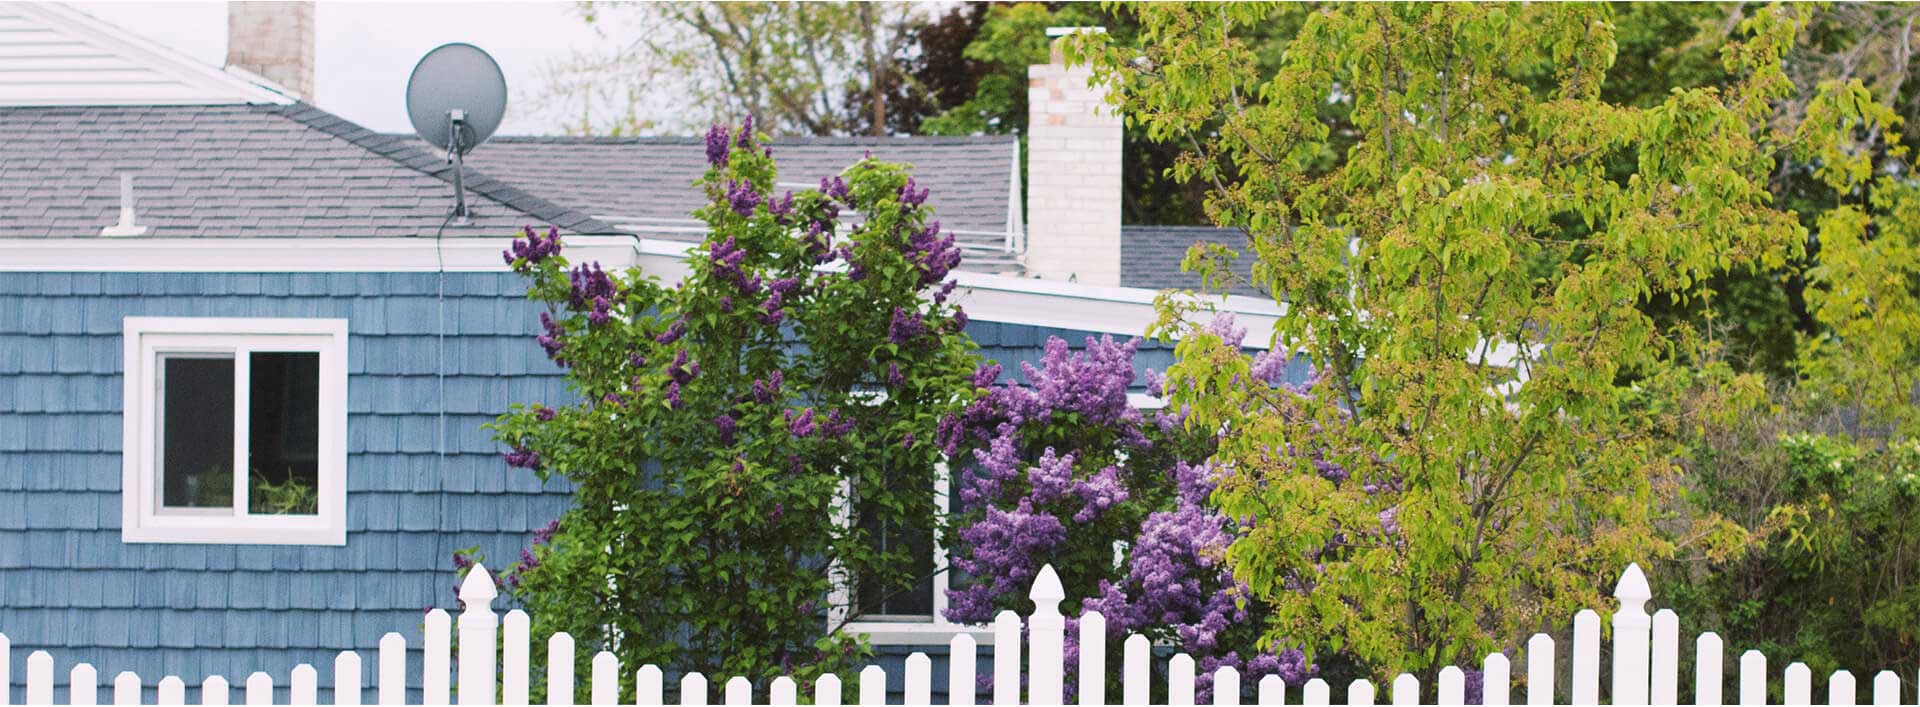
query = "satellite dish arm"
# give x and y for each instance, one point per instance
(457, 118)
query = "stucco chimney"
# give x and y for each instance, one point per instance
(273, 40)
(1073, 173)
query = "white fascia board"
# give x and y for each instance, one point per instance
(417, 254)
(1045, 303)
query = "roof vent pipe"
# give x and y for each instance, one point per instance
(126, 227)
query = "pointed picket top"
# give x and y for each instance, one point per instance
(477, 589)
(1632, 590)
(1046, 587)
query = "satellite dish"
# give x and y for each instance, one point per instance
(456, 98)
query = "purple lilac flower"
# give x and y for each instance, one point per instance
(726, 424)
(746, 133)
(601, 313)
(934, 254)
(673, 395)
(544, 535)
(717, 145)
(636, 360)
(1269, 367)
(782, 209)
(837, 425)
(534, 249)
(552, 340)
(544, 414)
(905, 326)
(742, 197)
(946, 290)
(726, 257)
(986, 375)
(909, 197)
(614, 399)
(1052, 477)
(800, 425)
(765, 391)
(523, 458)
(895, 379)
(673, 333)
(1222, 326)
(1099, 492)
(589, 282)
(779, 509)
(1008, 547)
(836, 189)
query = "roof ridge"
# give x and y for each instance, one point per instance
(399, 149)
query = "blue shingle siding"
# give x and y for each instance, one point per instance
(70, 586)
(423, 478)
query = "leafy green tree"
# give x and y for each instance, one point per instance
(743, 435)
(1468, 280)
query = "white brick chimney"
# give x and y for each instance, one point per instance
(1073, 173)
(273, 40)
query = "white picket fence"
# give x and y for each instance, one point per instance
(1645, 660)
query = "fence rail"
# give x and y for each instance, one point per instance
(1645, 660)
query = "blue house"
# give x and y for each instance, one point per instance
(245, 355)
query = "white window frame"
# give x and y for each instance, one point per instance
(146, 340)
(911, 630)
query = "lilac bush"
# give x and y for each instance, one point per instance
(718, 418)
(1065, 470)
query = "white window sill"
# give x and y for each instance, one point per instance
(890, 633)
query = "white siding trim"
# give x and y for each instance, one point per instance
(62, 56)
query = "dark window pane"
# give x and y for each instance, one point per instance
(196, 426)
(915, 600)
(284, 429)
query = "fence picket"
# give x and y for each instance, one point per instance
(1047, 631)
(649, 686)
(1631, 629)
(962, 652)
(1496, 680)
(1540, 669)
(213, 691)
(172, 691)
(1452, 687)
(826, 691)
(126, 688)
(1226, 686)
(83, 685)
(1406, 690)
(1753, 679)
(739, 691)
(1135, 681)
(1586, 658)
(1886, 688)
(39, 678)
(1091, 677)
(560, 669)
(304, 687)
(919, 682)
(1273, 690)
(346, 678)
(393, 669)
(873, 685)
(605, 677)
(1180, 680)
(1315, 693)
(6, 671)
(1359, 692)
(693, 689)
(1798, 685)
(1709, 675)
(1841, 689)
(435, 667)
(478, 630)
(1006, 658)
(783, 691)
(1664, 659)
(515, 630)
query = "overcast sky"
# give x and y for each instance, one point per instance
(367, 49)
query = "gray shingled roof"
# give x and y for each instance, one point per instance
(239, 170)
(1150, 256)
(645, 183)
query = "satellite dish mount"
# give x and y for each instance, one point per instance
(456, 98)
